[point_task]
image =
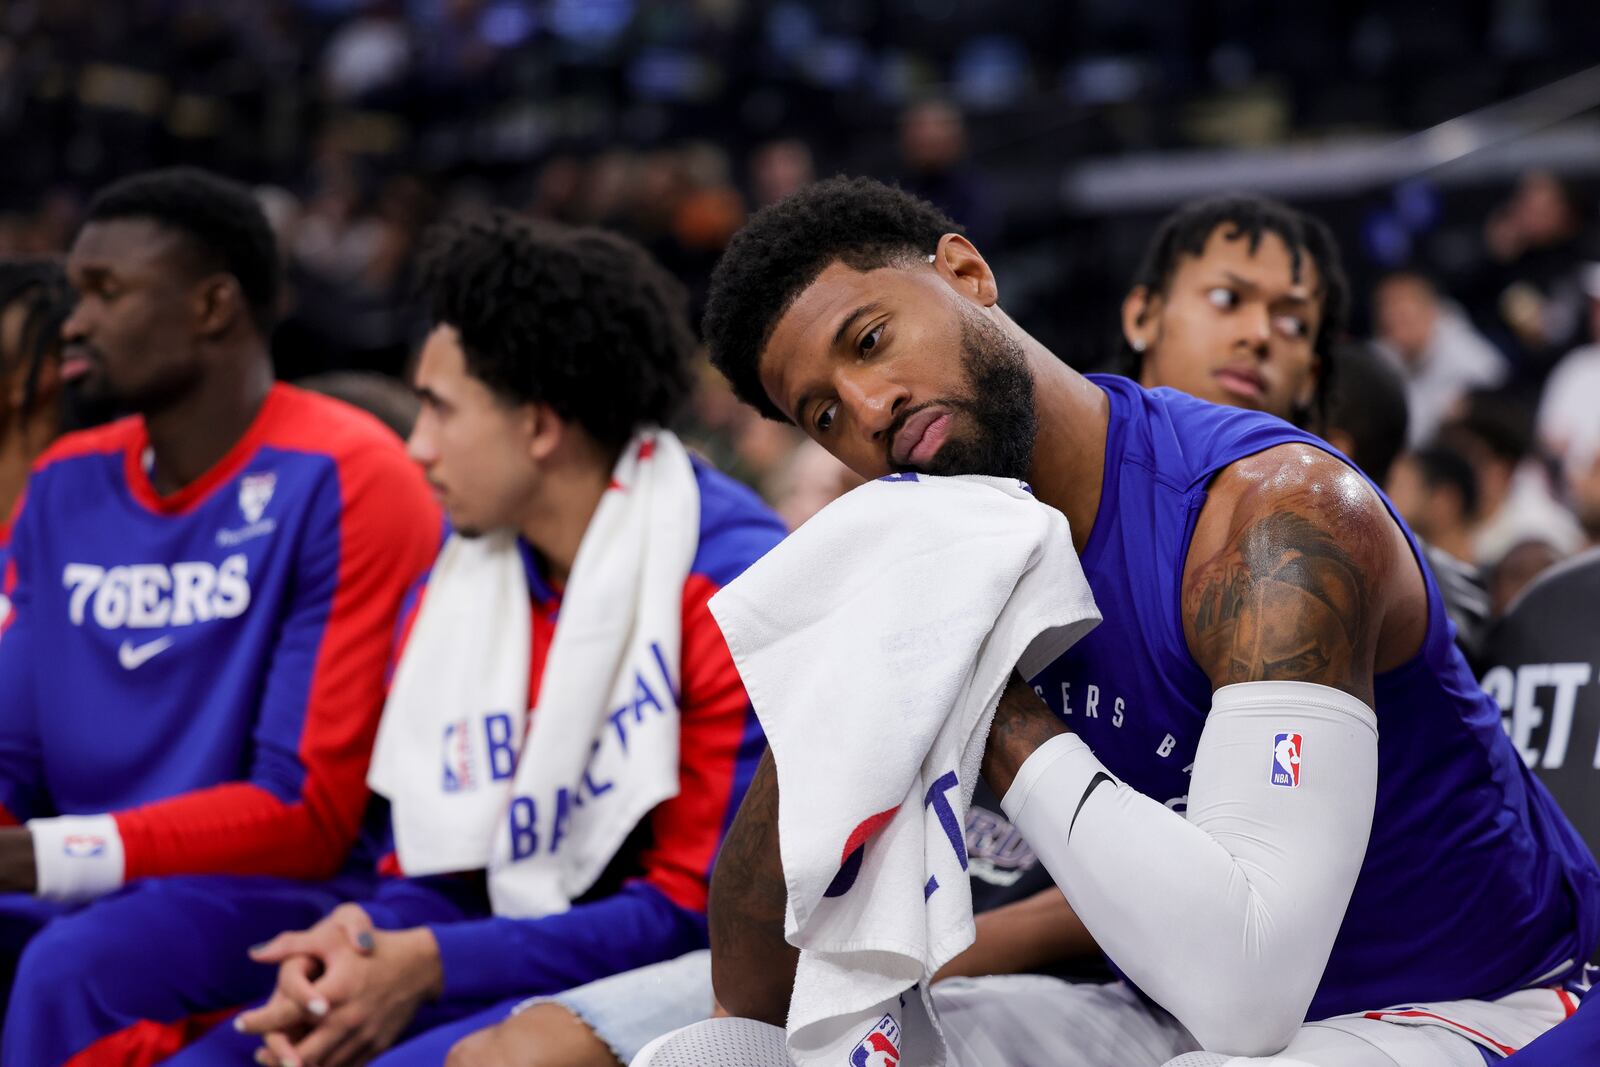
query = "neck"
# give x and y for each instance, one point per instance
(189, 435)
(20, 444)
(555, 523)
(1069, 454)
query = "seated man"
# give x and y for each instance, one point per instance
(1201, 774)
(555, 357)
(1218, 308)
(202, 601)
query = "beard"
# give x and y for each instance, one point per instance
(999, 406)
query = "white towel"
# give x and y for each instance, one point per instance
(875, 643)
(602, 749)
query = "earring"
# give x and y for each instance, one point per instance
(1137, 344)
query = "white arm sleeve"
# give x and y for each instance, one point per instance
(1225, 915)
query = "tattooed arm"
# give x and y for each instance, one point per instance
(1297, 573)
(1226, 914)
(752, 966)
(1022, 722)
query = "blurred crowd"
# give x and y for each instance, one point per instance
(363, 121)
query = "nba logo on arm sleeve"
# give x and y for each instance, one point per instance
(881, 1046)
(1286, 760)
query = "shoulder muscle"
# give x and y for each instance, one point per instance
(1290, 573)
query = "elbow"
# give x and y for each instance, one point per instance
(749, 992)
(1250, 1018)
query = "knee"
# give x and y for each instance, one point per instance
(84, 957)
(544, 1035)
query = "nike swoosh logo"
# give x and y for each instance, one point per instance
(1099, 777)
(133, 656)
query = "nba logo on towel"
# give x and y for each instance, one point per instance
(458, 771)
(881, 1046)
(1286, 760)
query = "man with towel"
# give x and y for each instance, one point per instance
(1203, 773)
(538, 850)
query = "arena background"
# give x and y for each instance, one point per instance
(1461, 139)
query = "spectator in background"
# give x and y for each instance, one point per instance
(1535, 243)
(1516, 570)
(1567, 409)
(809, 482)
(1581, 475)
(779, 169)
(1515, 501)
(935, 167)
(1434, 347)
(1366, 420)
(1436, 492)
(1365, 413)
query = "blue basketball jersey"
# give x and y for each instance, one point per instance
(1474, 883)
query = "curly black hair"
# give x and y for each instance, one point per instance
(1186, 231)
(862, 223)
(220, 220)
(580, 319)
(41, 287)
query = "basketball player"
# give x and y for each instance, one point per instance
(551, 349)
(1203, 774)
(203, 597)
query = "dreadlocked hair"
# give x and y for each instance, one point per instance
(1185, 233)
(861, 223)
(580, 319)
(40, 286)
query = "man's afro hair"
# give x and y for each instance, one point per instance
(580, 319)
(862, 223)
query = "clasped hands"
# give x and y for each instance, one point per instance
(346, 990)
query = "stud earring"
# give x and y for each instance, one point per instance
(1137, 344)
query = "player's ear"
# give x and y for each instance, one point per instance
(218, 303)
(543, 430)
(1139, 310)
(960, 264)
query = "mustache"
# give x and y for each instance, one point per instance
(951, 404)
(81, 350)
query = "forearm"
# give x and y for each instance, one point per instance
(1022, 722)
(1025, 935)
(1238, 902)
(752, 966)
(401, 903)
(497, 958)
(233, 828)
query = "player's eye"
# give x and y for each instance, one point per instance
(871, 339)
(1291, 326)
(824, 417)
(1223, 298)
